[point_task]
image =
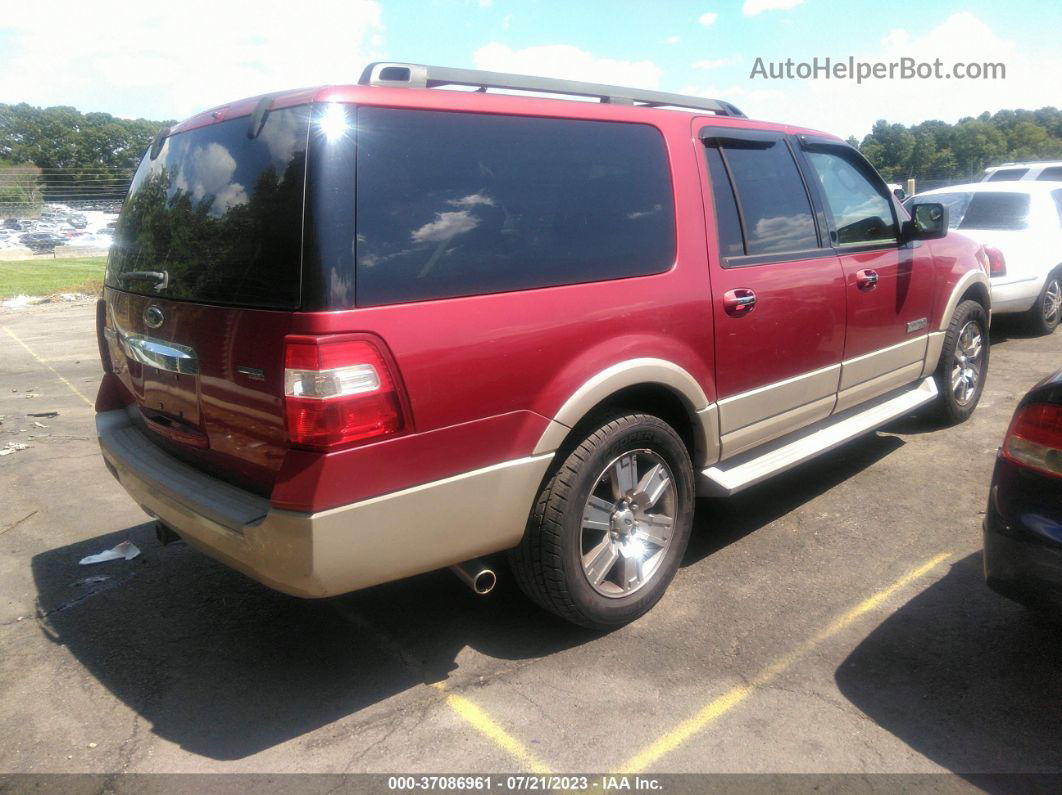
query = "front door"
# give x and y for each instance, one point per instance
(888, 285)
(778, 293)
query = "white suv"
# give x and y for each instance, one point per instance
(1020, 224)
(1040, 171)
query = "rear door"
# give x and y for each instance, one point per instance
(888, 285)
(778, 297)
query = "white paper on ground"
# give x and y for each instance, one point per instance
(127, 550)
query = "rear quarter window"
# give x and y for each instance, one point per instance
(452, 204)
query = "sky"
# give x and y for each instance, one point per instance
(170, 60)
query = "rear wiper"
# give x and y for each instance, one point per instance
(162, 277)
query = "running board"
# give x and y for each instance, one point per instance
(744, 470)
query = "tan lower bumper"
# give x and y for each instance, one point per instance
(343, 549)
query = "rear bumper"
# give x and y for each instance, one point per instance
(1016, 296)
(1023, 536)
(385, 538)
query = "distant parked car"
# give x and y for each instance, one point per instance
(1042, 171)
(77, 220)
(1020, 224)
(12, 224)
(42, 242)
(1023, 522)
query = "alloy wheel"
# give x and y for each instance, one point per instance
(966, 371)
(627, 523)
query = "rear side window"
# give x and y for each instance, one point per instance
(219, 215)
(989, 210)
(452, 204)
(1051, 174)
(1006, 174)
(773, 203)
(1057, 196)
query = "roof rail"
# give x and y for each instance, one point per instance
(408, 75)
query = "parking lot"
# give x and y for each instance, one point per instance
(831, 620)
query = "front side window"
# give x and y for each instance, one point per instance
(775, 211)
(861, 212)
(452, 204)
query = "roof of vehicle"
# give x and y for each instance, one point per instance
(1007, 186)
(464, 99)
(1025, 164)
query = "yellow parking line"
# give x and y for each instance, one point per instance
(474, 715)
(55, 372)
(726, 702)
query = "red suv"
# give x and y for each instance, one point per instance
(356, 333)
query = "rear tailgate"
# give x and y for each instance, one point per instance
(201, 287)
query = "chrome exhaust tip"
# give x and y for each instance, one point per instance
(476, 575)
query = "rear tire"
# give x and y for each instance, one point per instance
(1044, 315)
(611, 524)
(960, 376)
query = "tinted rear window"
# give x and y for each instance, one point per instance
(452, 204)
(981, 209)
(220, 214)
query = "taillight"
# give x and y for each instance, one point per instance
(997, 264)
(338, 390)
(1034, 438)
(101, 340)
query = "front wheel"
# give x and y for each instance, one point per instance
(1047, 311)
(963, 364)
(611, 525)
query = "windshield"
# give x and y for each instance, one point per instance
(217, 216)
(981, 209)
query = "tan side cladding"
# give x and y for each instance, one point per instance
(422, 528)
(772, 400)
(878, 386)
(764, 431)
(872, 365)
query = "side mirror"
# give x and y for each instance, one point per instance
(928, 222)
(900, 193)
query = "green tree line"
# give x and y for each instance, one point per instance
(937, 150)
(80, 155)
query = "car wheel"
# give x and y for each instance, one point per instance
(611, 524)
(1045, 314)
(963, 364)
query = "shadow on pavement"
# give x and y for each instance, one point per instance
(965, 677)
(226, 667)
(720, 522)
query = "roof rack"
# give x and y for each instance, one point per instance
(408, 75)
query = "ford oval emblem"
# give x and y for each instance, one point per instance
(153, 316)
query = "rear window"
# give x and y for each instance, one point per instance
(219, 215)
(1051, 174)
(452, 204)
(1005, 174)
(982, 209)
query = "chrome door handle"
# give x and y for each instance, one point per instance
(867, 279)
(739, 302)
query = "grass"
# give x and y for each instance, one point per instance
(46, 276)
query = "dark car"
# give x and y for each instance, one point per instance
(1023, 523)
(42, 242)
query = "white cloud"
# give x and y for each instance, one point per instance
(169, 62)
(485, 3)
(708, 18)
(711, 63)
(567, 62)
(846, 108)
(672, 40)
(754, 7)
(445, 226)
